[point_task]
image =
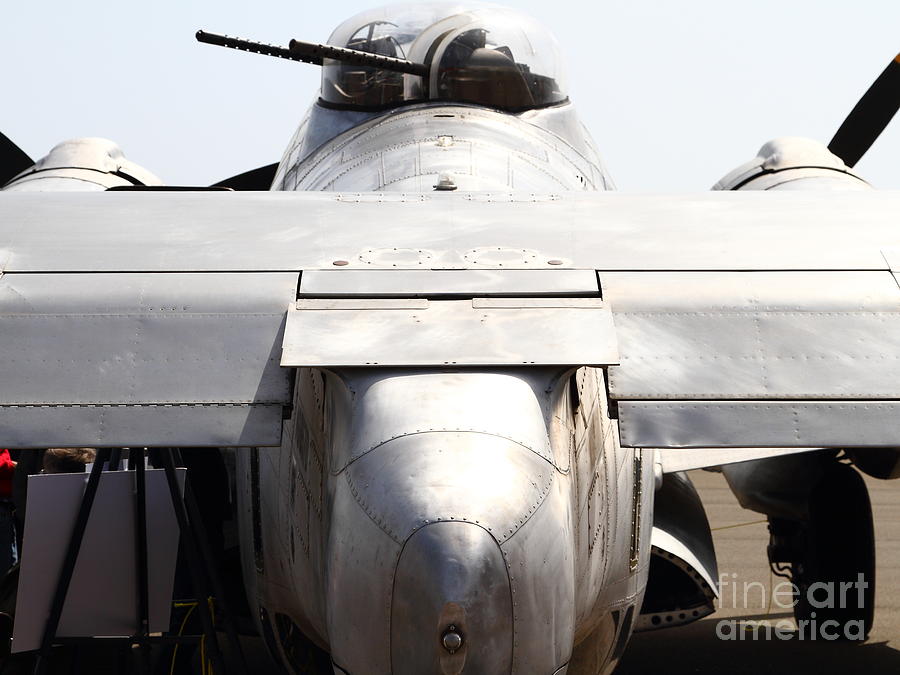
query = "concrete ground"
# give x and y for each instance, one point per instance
(742, 550)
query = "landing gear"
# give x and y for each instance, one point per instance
(830, 557)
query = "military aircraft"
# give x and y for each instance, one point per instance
(463, 376)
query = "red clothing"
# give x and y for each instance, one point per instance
(6, 473)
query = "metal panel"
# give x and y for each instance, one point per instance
(142, 360)
(431, 283)
(681, 459)
(294, 231)
(140, 426)
(113, 339)
(719, 424)
(546, 331)
(482, 150)
(755, 335)
(382, 404)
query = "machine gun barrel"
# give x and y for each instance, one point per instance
(309, 52)
(250, 46)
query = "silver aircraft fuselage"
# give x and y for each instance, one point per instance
(413, 510)
(451, 493)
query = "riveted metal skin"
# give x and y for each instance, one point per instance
(472, 332)
(608, 231)
(450, 567)
(191, 359)
(416, 480)
(405, 501)
(681, 539)
(322, 126)
(446, 148)
(410, 499)
(387, 404)
(465, 447)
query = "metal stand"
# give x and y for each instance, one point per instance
(202, 569)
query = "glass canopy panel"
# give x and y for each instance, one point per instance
(476, 53)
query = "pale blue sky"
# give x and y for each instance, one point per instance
(675, 93)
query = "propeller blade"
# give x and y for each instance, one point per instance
(870, 116)
(12, 160)
(257, 179)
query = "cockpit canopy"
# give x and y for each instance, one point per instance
(476, 53)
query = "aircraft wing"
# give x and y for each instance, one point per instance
(726, 319)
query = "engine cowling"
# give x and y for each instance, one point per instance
(79, 165)
(681, 587)
(792, 163)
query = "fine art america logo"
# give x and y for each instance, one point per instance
(786, 595)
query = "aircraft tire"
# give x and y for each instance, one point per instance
(839, 547)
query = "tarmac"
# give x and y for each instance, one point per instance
(740, 538)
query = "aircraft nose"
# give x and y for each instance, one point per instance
(425, 527)
(452, 607)
(418, 479)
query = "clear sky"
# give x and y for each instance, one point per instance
(675, 93)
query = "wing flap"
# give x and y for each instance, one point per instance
(756, 359)
(473, 332)
(759, 424)
(756, 335)
(142, 359)
(141, 425)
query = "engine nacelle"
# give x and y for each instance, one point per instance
(793, 164)
(682, 584)
(82, 164)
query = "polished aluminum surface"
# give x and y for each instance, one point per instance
(411, 149)
(755, 335)
(462, 506)
(142, 359)
(435, 458)
(432, 283)
(723, 424)
(480, 332)
(451, 574)
(297, 231)
(140, 425)
(474, 465)
(441, 517)
(81, 165)
(95, 339)
(379, 406)
(682, 459)
(792, 163)
(406, 501)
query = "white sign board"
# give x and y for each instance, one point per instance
(103, 595)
